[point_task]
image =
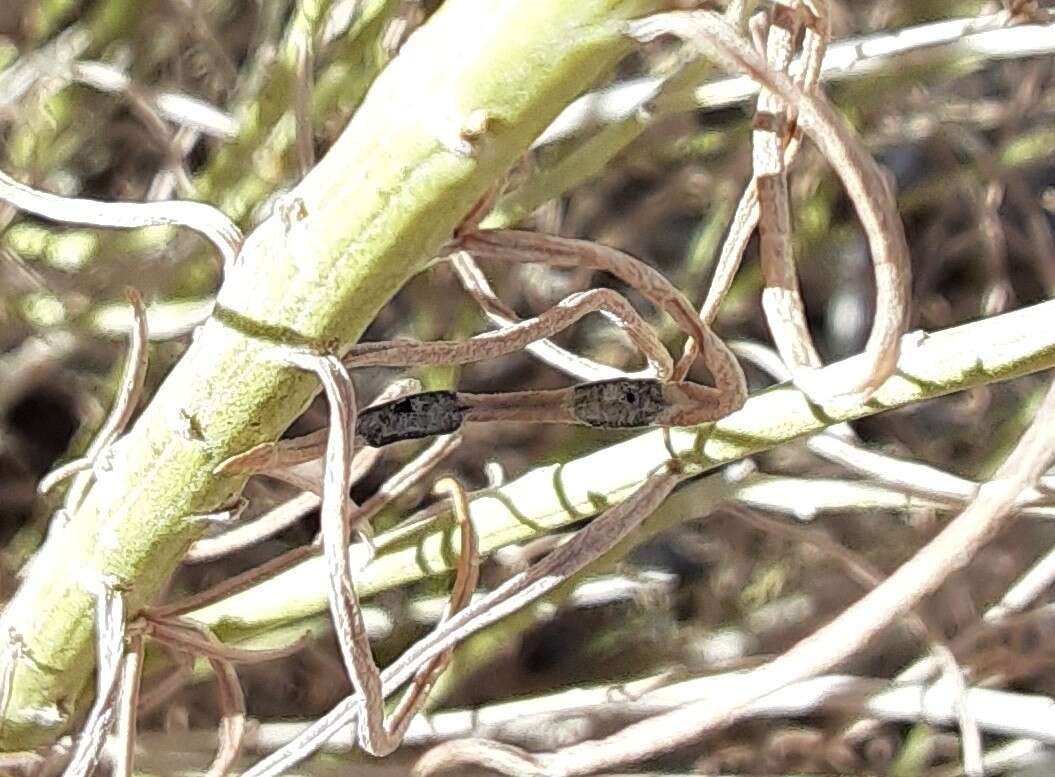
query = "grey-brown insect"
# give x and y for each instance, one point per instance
(410, 418)
(621, 403)
(618, 404)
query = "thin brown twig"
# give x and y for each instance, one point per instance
(861, 176)
(746, 216)
(467, 575)
(560, 565)
(352, 637)
(405, 479)
(377, 735)
(730, 386)
(516, 337)
(1026, 589)
(232, 720)
(467, 752)
(168, 686)
(781, 300)
(194, 638)
(272, 522)
(232, 585)
(501, 315)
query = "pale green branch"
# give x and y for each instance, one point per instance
(554, 497)
(388, 193)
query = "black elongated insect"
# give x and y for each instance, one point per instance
(621, 403)
(410, 418)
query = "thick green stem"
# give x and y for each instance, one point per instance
(386, 196)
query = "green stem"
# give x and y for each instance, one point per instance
(387, 195)
(556, 496)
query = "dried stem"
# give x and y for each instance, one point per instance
(557, 567)
(204, 219)
(864, 182)
(501, 315)
(110, 636)
(518, 336)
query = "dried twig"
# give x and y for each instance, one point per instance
(746, 216)
(518, 336)
(196, 639)
(189, 637)
(593, 541)
(110, 633)
(529, 720)
(466, 577)
(546, 351)
(204, 219)
(862, 178)
(267, 525)
(781, 300)
(128, 708)
(232, 721)
(377, 737)
(729, 381)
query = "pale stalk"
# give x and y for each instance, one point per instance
(389, 192)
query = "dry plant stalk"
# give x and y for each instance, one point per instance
(466, 579)
(747, 214)
(204, 219)
(559, 566)
(502, 316)
(379, 734)
(110, 640)
(865, 184)
(730, 388)
(781, 300)
(518, 336)
(128, 708)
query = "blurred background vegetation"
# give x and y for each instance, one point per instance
(155, 99)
